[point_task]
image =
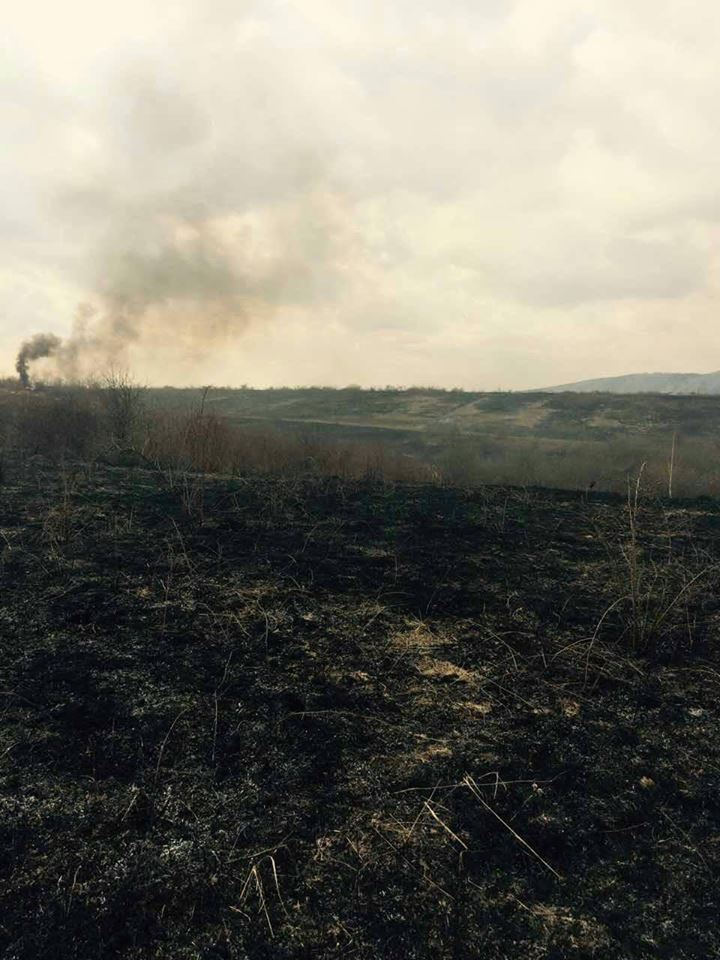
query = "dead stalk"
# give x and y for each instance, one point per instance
(445, 827)
(671, 466)
(164, 744)
(473, 787)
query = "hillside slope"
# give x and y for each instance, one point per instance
(678, 383)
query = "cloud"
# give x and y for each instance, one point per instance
(467, 195)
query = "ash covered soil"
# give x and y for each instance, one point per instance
(272, 718)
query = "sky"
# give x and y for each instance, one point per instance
(489, 194)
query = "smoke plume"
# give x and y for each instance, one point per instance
(41, 345)
(198, 206)
(171, 287)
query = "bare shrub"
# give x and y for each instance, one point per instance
(64, 423)
(659, 586)
(201, 442)
(672, 467)
(123, 402)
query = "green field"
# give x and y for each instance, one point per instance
(598, 441)
(560, 416)
(561, 440)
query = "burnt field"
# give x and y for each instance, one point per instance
(311, 718)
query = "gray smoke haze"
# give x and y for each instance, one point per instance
(506, 193)
(176, 280)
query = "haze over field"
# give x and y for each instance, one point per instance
(494, 194)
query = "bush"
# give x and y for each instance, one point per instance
(202, 442)
(64, 423)
(124, 404)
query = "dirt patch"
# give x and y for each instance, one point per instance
(533, 414)
(419, 637)
(444, 670)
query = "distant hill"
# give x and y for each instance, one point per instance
(678, 383)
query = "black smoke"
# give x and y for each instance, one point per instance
(41, 345)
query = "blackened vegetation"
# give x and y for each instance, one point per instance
(311, 718)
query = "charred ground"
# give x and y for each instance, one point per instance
(310, 718)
